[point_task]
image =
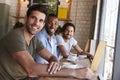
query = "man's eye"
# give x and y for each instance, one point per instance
(42, 21)
(33, 17)
(56, 23)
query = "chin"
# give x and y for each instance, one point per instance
(34, 33)
(68, 37)
(51, 33)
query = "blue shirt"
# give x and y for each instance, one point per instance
(50, 45)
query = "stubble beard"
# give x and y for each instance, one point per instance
(29, 30)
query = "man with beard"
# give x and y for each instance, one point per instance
(47, 37)
(66, 41)
(18, 47)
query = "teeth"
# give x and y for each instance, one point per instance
(52, 30)
(35, 28)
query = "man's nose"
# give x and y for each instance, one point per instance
(69, 32)
(37, 22)
(53, 25)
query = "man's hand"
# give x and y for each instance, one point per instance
(89, 55)
(54, 67)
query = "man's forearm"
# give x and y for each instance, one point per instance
(64, 72)
(42, 70)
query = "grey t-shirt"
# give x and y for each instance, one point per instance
(68, 45)
(13, 42)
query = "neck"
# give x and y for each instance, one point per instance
(65, 39)
(27, 36)
(50, 35)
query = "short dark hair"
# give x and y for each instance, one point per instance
(66, 25)
(38, 7)
(51, 15)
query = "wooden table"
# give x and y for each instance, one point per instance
(65, 78)
(84, 62)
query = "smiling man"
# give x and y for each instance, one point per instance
(18, 47)
(47, 37)
(66, 41)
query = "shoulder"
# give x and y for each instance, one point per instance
(73, 40)
(60, 40)
(14, 41)
(59, 36)
(42, 34)
(15, 31)
(15, 34)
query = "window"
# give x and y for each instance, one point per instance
(108, 32)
